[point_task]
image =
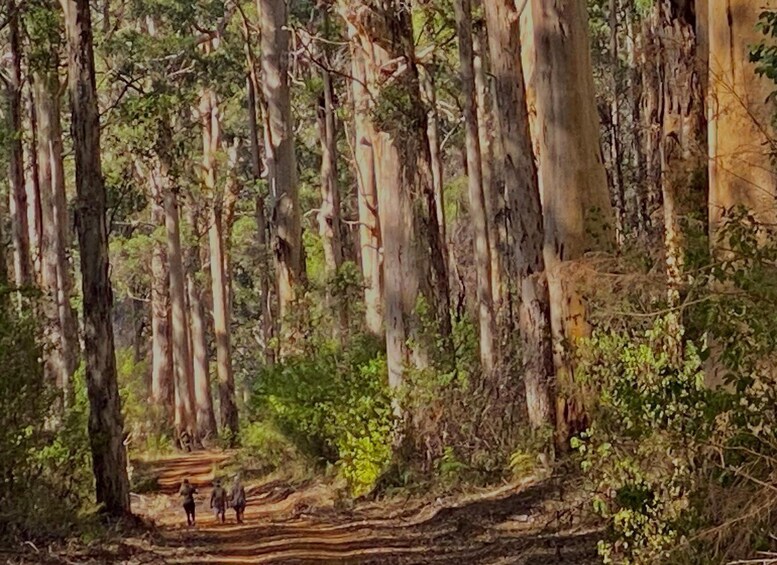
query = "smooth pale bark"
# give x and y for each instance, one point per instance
(491, 190)
(329, 220)
(183, 369)
(525, 221)
(204, 414)
(211, 139)
(477, 204)
(48, 153)
(162, 386)
(578, 216)
(106, 434)
(741, 131)
(262, 231)
(364, 158)
(23, 273)
(281, 161)
(32, 183)
(414, 267)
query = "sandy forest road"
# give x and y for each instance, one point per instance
(283, 525)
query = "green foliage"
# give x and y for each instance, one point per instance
(45, 463)
(649, 422)
(333, 403)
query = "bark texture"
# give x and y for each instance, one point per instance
(106, 436)
(477, 202)
(578, 216)
(741, 132)
(281, 161)
(524, 212)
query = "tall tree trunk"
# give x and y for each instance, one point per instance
(185, 417)
(741, 117)
(414, 269)
(204, 414)
(32, 184)
(23, 274)
(429, 94)
(281, 162)
(364, 158)
(525, 218)
(616, 154)
(48, 153)
(106, 435)
(491, 188)
(162, 385)
(477, 204)
(329, 213)
(576, 202)
(221, 314)
(262, 228)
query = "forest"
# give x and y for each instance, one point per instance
(438, 280)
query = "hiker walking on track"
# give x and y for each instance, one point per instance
(187, 491)
(218, 500)
(238, 499)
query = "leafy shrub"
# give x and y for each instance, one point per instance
(45, 462)
(650, 422)
(334, 404)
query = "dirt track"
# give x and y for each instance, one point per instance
(283, 525)
(515, 524)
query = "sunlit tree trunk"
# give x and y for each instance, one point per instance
(741, 117)
(525, 219)
(32, 182)
(23, 274)
(106, 436)
(204, 414)
(262, 229)
(414, 269)
(364, 157)
(329, 212)
(477, 204)
(578, 216)
(491, 190)
(162, 386)
(616, 154)
(185, 416)
(211, 137)
(281, 162)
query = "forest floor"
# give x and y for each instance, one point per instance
(528, 523)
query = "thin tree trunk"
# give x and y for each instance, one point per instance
(329, 212)
(48, 153)
(281, 161)
(162, 385)
(477, 204)
(32, 184)
(615, 120)
(576, 203)
(369, 224)
(523, 207)
(221, 314)
(491, 190)
(23, 274)
(185, 417)
(109, 457)
(429, 93)
(204, 414)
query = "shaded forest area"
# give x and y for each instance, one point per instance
(403, 246)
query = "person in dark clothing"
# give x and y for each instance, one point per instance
(218, 500)
(238, 499)
(187, 491)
